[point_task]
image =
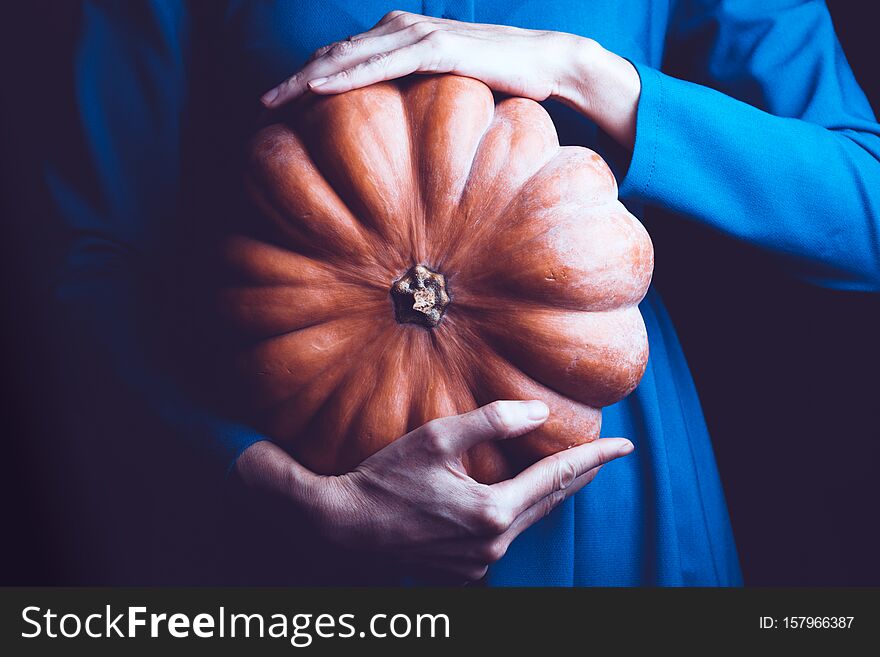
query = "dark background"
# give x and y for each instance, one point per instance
(786, 372)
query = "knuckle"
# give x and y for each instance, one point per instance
(495, 518)
(405, 18)
(320, 52)
(422, 29)
(564, 474)
(434, 438)
(493, 551)
(379, 59)
(438, 38)
(496, 415)
(342, 49)
(391, 15)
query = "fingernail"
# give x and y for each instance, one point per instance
(269, 96)
(625, 448)
(536, 410)
(317, 82)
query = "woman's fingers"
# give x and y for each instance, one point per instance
(360, 62)
(297, 84)
(355, 49)
(528, 63)
(326, 61)
(494, 548)
(453, 436)
(488, 549)
(407, 497)
(470, 558)
(386, 65)
(339, 57)
(402, 20)
(559, 472)
(395, 15)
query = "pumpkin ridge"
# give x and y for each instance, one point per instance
(571, 422)
(445, 147)
(486, 462)
(497, 226)
(279, 278)
(311, 324)
(468, 374)
(522, 245)
(244, 266)
(500, 117)
(630, 359)
(353, 275)
(373, 357)
(378, 408)
(418, 221)
(276, 415)
(344, 355)
(473, 158)
(487, 230)
(308, 238)
(470, 304)
(458, 221)
(557, 265)
(458, 345)
(305, 436)
(319, 108)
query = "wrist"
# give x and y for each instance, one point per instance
(602, 86)
(580, 68)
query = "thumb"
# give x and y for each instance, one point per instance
(500, 419)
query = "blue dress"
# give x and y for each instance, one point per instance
(770, 141)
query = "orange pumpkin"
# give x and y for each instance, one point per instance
(427, 250)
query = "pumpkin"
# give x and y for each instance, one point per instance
(422, 249)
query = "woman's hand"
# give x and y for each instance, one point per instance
(414, 499)
(528, 63)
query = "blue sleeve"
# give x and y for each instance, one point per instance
(116, 190)
(772, 142)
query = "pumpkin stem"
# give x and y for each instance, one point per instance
(420, 297)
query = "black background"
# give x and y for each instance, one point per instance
(498, 621)
(786, 372)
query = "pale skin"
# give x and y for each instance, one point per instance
(413, 498)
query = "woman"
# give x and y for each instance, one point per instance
(770, 98)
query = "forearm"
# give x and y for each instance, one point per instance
(788, 185)
(804, 191)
